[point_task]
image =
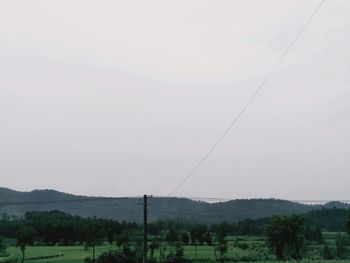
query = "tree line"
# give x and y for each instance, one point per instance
(285, 235)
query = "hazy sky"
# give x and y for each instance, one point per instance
(124, 97)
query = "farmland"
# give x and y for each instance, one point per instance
(55, 236)
(240, 249)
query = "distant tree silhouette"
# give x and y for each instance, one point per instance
(313, 234)
(153, 246)
(185, 238)
(2, 245)
(171, 237)
(340, 245)
(221, 231)
(24, 237)
(93, 236)
(348, 224)
(110, 236)
(327, 252)
(285, 235)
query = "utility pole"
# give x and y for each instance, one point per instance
(145, 229)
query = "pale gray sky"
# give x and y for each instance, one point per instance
(124, 97)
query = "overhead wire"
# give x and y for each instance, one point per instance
(58, 201)
(257, 91)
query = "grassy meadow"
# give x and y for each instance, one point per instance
(240, 249)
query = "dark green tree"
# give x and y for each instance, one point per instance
(221, 245)
(185, 238)
(110, 236)
(319, 236)
(178, 256)
(93, 236)
(340, 245)
(153, 246)
(296, 236)
(171, 237)
(25, 236)
(348, 224)
(285, 235)
(221, 232)
(2, 245)
(125, 255)
(327, 252)
(208, 238)
(122, 239)
(313, 234)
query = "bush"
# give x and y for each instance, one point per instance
(125, 255)
(327, 253)
(340, 245)
(178, 257)
(243, 246)
(9, 260)
(2, 245)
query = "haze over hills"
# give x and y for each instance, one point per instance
(17, 203)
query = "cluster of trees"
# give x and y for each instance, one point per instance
(55, 227)
(313, 234)
(2, 245)
(286, 235)
(331, 219)
(177, 234)
(348, 225)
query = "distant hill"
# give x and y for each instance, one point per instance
(17, 203)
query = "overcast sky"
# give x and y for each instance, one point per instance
(120, 98)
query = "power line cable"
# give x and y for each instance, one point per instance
(75, 200)
(262, 84)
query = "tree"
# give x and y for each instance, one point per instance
(314, 234)
(221, 231)
(285, 235)
(153, 246)
(178, 257)
(327, 252)
(125, 255)
(221, 245)
(319, 236)
(185, 238)
(194, 239)
(208, 238)
(197, 235)
(348, 225)
(25, 236)
(340, 245)
(110, 236)
(122, 239)
(171, 237)
(296, 236)
(2, 245)
(93, 236)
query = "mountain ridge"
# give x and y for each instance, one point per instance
(14, 202)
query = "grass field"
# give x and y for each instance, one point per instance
(76, 254)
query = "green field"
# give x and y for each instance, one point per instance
(256, 251)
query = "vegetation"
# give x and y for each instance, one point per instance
(60, 237)
(25, 236)
(348, 225)
(285, 236)
(2, 245)
(340, 244)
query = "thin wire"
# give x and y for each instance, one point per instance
(76, 200)
(262, 84)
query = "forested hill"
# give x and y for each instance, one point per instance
(129, 209)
